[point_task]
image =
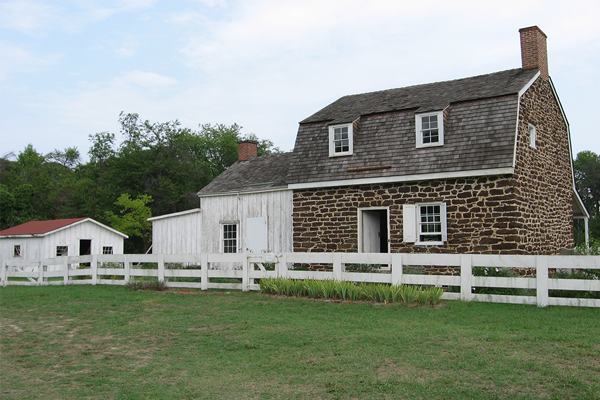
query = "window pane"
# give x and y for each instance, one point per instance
(230, 238)
(430, 226)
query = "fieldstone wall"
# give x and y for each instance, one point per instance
(544, 173)
(529, 212)
(481, 213)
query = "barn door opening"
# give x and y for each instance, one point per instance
(85, 247)
(374, 237)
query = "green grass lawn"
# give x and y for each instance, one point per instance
(102, 342)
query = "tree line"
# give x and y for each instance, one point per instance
(587, 181)
(156, 168)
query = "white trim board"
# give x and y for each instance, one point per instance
(404, 178)
(238, 193)
(177, 214)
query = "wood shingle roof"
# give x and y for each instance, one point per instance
(423, 98)
(257, 173)
(480, 120)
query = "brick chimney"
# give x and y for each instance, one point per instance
(247, 149)
(533, 49)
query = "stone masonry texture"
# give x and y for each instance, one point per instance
(528, 212)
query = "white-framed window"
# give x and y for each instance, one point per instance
(62, 251)
(107, 250)
(425, 223)
(340, 140)
(17, 252)
(430, 129)
(230, 238)
(531, 130)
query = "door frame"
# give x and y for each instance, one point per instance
(360, 232)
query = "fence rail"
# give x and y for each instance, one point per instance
(197, 271)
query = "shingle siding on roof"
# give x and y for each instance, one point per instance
(428, 97)
(478, 135)
(243, 176)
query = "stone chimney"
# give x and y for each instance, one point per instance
(247, 149)
(533, 49)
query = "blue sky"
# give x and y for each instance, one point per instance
(68, 68)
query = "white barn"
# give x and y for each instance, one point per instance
(37, 240)
(246, 208)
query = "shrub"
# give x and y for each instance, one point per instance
(575, 274)
(409, 294)
(498, 272)
(435, 295)
(145, 285)
(331, 289)
(362, 267)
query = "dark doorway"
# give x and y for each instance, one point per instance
(85, 247)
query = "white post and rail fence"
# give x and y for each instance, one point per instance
(239, 271)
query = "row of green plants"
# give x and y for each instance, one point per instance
(341, 290)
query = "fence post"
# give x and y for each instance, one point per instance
(65, 273)
(337, 266)
(397, 268)
(94, 269)
(127, 268)
(245, 273)
(204, 271)
(541, 274)
(40, 273)
(466, 277)
(161, 268)
(3, 273)
(281, 266)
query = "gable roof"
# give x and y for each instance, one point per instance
(262, 173)
(480, 121)
(422, 98)
(42, 228)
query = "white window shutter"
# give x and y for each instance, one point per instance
(409, 218)
(443, 220)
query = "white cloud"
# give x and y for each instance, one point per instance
(148, 80)
(35, 16)
(19, 60)
(186, 17)
(128, 46)
(26, 16)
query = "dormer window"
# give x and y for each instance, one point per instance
(340, 140)
(430, 129)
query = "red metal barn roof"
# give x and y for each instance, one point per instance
(39, 227)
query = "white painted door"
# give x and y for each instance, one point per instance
(371, 232)
(256, 235)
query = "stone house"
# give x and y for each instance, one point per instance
(474, 165)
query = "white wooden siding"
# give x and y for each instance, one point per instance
(34, 248)
(177, 234)
(200, 232)
(275, 206)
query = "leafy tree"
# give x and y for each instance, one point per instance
(587, 181)
(8, 215)
(164, 160)
(70, 157)
(132, 218)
